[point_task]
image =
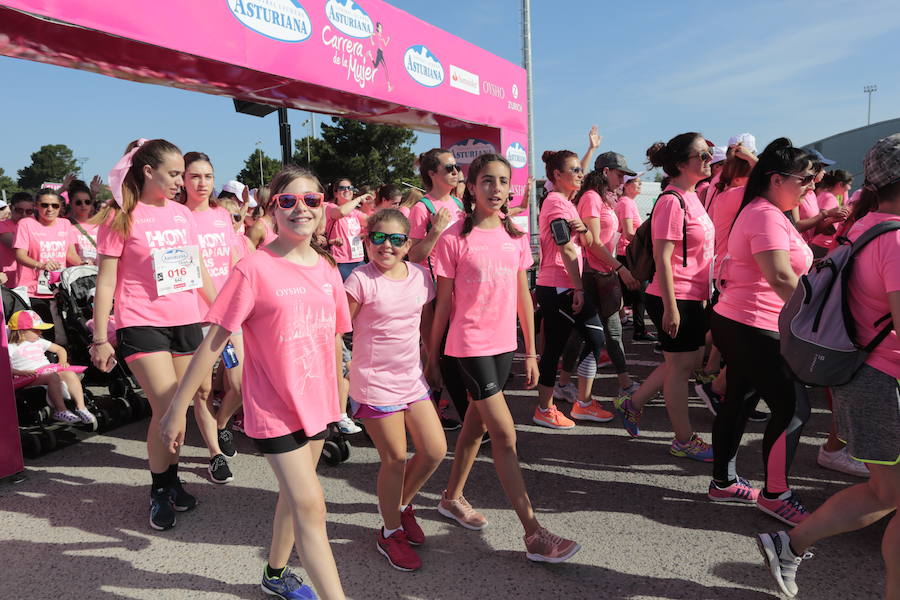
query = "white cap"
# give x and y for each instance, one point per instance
(718, 154)
(253, 203)
(745, 139)
(238, 189)
(3, 204)
(628, 178)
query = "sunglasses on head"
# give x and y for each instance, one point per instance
(803, 179)
(310, 199)
(49, 205)
(452, 168)
(379, 237)
(236, 217)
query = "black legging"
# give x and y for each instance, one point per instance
(558, 322)
(635, 299)
(755, 365)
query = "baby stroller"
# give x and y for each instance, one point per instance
(336, 448)
(75, 301)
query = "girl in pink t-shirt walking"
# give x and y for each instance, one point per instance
(481, 264)
(286, 296)
(388, 391)
(345, 226)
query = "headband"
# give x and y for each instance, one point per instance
(118, 172)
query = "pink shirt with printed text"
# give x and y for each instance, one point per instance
(350, 230)
(290, 315)
(8, 264)
(745, 294)
(387, 366)
(808, 208)
(43, 243)
(691, 282)
(86, 250)
(485, 267)
(217, 240)
(136, 300)
(722, 212)
(876, 273)
(626, 208)
(826, 201)
(592, 206)
(552, 272)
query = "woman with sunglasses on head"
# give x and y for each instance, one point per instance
(287, 295)
(44, 245)
(21, 206)
(676, 298)
(80, 213)
(388, 391)
(345, 225)
(560, 291)
(766, 256)
(481, 264)
(868, 406)
(149, 266)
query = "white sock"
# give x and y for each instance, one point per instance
(585, 404)
(343, 416)
(389, 532)
(404, 507)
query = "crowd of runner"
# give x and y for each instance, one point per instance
(385, 308)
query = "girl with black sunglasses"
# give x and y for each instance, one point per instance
(345, 225)
(81, 210)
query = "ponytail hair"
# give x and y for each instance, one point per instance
(150, 153)
(670, 154)
(780, 156)
(469, 200)
(428, 162)
(287, 175)
(734, 167)
(555, 160)
(192, 157)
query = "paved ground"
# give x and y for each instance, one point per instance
(77, 527)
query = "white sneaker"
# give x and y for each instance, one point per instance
(630, 390)
(568, 392)
(346, 425)
(842, 462)
(781, 561)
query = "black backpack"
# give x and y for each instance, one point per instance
(639, 253)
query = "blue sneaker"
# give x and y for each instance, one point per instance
(631, 419)
(695, 449)
(287, 587)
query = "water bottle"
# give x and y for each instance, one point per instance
(229, 356)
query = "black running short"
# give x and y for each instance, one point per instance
(692, 328)
(287, 443)
(485, 376)
(181, 340)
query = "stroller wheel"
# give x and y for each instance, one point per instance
(344, 447)
(331, 452)
(117, 388)
(31, 444)
(48, 440)
(103, 421)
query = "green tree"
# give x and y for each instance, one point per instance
(8, 184)
(367, 153)
(51, 162)
(250, 174)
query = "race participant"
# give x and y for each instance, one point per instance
(345, 225)
(481, 264)
(21, 206)
(149, 265)
(81, 211)
(44, 245)
(287, 295)
(388, 391)
(390, 196)
(678, 291)
(831, 193)
(765, 257)
(867, 408)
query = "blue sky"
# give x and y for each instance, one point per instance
(641, 71)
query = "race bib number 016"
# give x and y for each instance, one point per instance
(177, 269)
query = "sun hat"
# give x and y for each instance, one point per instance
(22, 320)
(718, 154)
(745, 139)
(238, 189)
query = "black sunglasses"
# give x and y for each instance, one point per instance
(379, 237)
(83, 202)
(236, 217)
(344, 188)
(23, 211)
(49, 205)
(804, 179)
(310, 199)
(452, 167)
(703, 156)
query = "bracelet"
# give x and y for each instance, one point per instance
(531, 356)
(99, 342)
(619, 267)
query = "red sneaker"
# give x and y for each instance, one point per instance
(397, 550)
(414, 533)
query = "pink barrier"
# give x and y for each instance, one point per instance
(11, 461)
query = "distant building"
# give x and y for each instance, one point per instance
(849, 148)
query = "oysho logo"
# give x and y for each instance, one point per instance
(463, 80)
(516, 155)
(349, 18)
(423, 66)
(492, 89)
(282, 20)
(469, 149)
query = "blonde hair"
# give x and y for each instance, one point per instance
(17, 335)
(411, 197)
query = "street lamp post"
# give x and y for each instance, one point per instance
(526, 62)
(870, 89)
(259, 153)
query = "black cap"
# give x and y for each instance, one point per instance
(612, 160)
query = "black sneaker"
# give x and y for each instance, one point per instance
(162, 516)
(181, 500)
(449, 424)
(644, 337)
(218, 469)
(226, 443)
(485, 439)
(757, 416)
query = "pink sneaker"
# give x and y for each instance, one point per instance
(787, 508)
(397, 550)
(741, 492)
(543, 546)
(414, 533)
(462, 512)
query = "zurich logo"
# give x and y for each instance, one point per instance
(282, 20)
(423, 66)
(469, 149)
(349, 18)
(515, 91)
(516, 155)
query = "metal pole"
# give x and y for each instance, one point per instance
(870, 89)
(261, 182)
(284, 134)
(526, 60)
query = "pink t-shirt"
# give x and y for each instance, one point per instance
(290, 315)
(876, 273)
(825, 200)
(419, 217)
(626, 208)
(592, 206)
(722, 212)
(8, 262)
(485, 267)
(350, 230)
(746, 296)
(691, 282)
(552, 272)
(270, 235)
(808, 208)
(387, 366)
(216, 237)
(43, 242)
(136, 300)
(86, 250)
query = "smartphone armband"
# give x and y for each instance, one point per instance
(559, 228)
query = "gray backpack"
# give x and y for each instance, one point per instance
(818, 333)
